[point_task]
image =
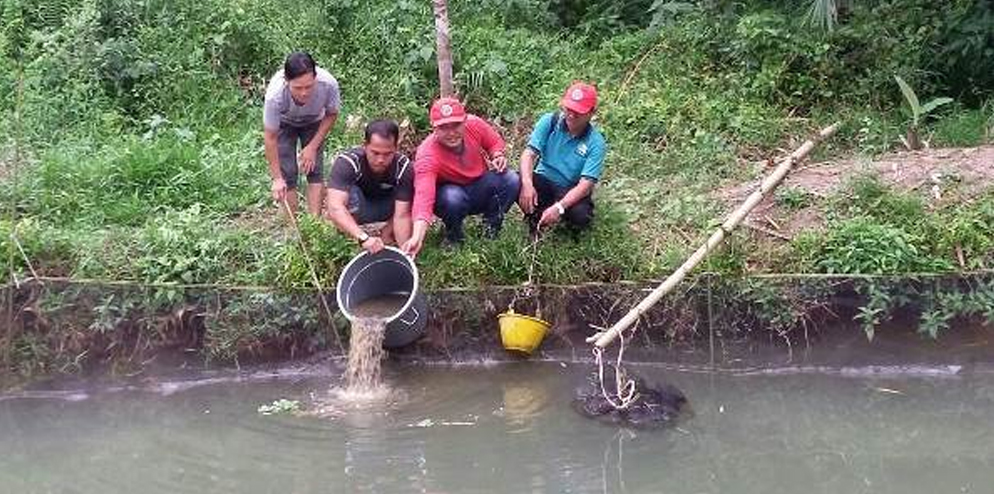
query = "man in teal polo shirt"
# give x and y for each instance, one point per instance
(570, 153)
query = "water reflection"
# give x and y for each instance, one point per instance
(523, 404)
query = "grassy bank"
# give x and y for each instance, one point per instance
(131, 147)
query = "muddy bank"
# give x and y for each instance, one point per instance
(941, 177)
(67, 328)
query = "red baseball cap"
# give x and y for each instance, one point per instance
(446, 110)
(580, 97)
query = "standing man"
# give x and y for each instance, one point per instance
(373, 183)
(302, 104)
(460, 169)
(570, 153)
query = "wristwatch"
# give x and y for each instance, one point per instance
(559, 207)
(363, 237)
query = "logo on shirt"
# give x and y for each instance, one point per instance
(446, 110)
(582, 149)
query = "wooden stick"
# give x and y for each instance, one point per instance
(314, 275)
(602, 339)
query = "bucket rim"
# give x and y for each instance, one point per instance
(526, 317)
(339, 289)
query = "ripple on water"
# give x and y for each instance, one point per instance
(345, 402)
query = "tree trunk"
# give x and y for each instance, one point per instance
(443, 47)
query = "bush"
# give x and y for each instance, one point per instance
(861, 245)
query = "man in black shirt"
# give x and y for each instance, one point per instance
(372, 183)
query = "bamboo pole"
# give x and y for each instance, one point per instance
(604, 338)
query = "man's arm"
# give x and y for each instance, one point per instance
(425, 186)
(402, 224)
(582, 189)
(418, 233)
(337, 204)
(528, 198)
(270, 138)
(491, 141)
(553, 214)
(308, 155)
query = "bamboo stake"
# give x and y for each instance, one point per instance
(314, 274)
(604, 338)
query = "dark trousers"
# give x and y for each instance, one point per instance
(286, 146)
(578, 215)
(490, 195)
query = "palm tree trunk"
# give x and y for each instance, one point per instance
(443, 47)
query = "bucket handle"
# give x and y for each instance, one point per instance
(412, 321)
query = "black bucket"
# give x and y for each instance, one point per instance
(388, 272)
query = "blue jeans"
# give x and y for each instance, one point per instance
(490, 195)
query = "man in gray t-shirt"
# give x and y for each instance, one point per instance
(302, 104)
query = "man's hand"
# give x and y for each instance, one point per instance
(413, 245)
(418, 234)
(550, 216)
(373, 245)
(279, 190)
(307, 158)
(528, 198)
(499, 163)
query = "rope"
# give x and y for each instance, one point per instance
(24, 255)
(314, 274)
(626, 391)
(529, 283)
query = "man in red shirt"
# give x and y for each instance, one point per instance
(459, 170)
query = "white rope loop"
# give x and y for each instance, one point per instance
(626, 391)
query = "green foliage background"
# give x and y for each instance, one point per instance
(131, 150)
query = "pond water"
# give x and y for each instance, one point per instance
(509, 428)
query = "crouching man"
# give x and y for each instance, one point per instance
(569, 151)
(372, 183)
(460, 170)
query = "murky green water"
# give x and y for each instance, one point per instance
(510, 428)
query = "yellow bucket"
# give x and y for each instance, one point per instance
(521, 333)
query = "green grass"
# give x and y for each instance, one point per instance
(967, 127)
(874, 229)
(138, 128)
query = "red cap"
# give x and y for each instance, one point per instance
(446, 110)
(580, 97)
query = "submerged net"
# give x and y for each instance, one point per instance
(651, 405)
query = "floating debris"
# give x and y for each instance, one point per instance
(280, 406)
